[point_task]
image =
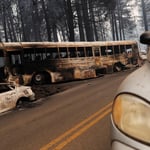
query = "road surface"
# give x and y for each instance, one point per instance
(75, 119)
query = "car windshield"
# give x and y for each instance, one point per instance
(5, 88)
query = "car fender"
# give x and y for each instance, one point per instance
(137, 82)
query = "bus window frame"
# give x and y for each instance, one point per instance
(89, 52)
(104, 51)
(81, 52)
(60, 51)
(110, 53)
(72, 51)
(96, 48)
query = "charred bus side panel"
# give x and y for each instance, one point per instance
(41, 62)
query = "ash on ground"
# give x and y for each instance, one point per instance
(42, 91)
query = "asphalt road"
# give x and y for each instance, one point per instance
(75, 119)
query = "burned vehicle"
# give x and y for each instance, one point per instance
(51, 62)
(12, 96)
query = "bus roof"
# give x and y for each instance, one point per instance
(13, 46)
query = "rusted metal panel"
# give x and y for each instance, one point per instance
(84, 73)
(12, 46)
(75, 62)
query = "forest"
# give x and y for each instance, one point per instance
(69, 20)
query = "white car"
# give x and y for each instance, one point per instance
(13, 95)
(130, 119)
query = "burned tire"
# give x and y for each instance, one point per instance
(118, 67)
(22, 103)
(39, 79)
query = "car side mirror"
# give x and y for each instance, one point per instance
(145, 38)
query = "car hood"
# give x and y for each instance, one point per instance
(23, 88)
(138, 82)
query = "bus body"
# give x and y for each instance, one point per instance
(41, 62)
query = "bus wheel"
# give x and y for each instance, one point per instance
(39, 79)
(117, 67)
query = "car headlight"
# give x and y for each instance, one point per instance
(131, 115)
(28, 91)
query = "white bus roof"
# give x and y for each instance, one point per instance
(10, 46)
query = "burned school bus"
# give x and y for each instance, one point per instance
(50, 62)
